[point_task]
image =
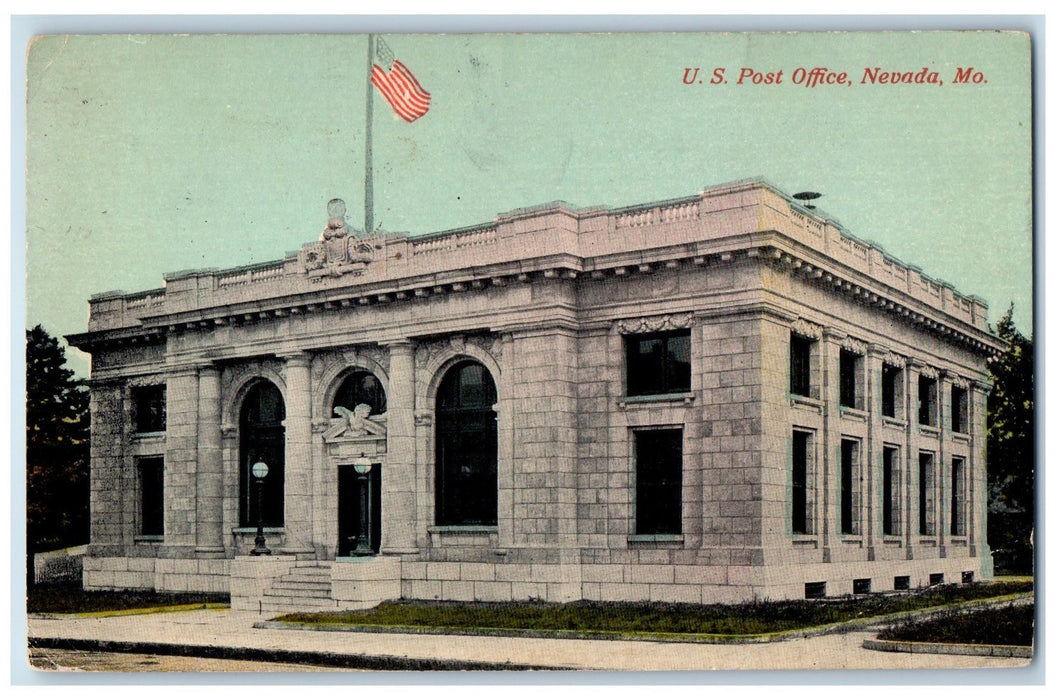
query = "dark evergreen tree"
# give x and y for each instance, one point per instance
(1010, 451)
(57, 449)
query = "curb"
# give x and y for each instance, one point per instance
(338, 661)
(133, 611)
(1015, 652)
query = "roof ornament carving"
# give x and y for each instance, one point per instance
(805, 328)
(338, 251)
(652, 324)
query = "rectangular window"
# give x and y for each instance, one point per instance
(850, 369)
(901, 583)
(814, 589)
(958, 410)
(148, 408)
(958, 487)
(802, 454)
(862, 585)
(850, 492)
(151, 496)
(658, 482)
(892, 515)
(891, 391)
(926, 495)
(799, 371)
(926, 401)
(658, 363)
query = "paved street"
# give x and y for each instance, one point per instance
(231, 634)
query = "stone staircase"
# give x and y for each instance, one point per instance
(306, 588)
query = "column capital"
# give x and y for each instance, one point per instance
(297, 359)
(402, 345)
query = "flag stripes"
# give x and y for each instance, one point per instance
(402, 90)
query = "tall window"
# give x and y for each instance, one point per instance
(658, 363)
(958, 489)
(892, 391)
(926, 494)
(958, 409)
(850, 491)
(466, 447)
(262, 439)
(148, 408)
(926, 400)
(151, 496)
(802, 448)
(891, 513)
(658, 482)
(361, 387)
(850, 369)
(799, 370)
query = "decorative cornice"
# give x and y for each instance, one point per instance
(807, 329)
(653, 324)
(858, 347)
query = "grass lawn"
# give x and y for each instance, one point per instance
(70, 598)
(654, 618)
(1008, 624)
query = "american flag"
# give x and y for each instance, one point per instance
(398, 85)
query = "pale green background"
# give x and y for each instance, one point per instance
(150, 154)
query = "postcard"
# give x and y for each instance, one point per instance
(613, 351)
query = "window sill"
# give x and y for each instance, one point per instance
(928, 541)
(959, 540)
(962, 437)
(892, 540)
(148, 539)
(656, 539)
(854, 413)
(681, 397)
(928, 430)
(848, 538)
(463, 529)
(154, 435)
(797, 401)
(890, 422)
(253, 531)
(805, 541)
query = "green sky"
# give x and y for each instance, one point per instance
(150, 154)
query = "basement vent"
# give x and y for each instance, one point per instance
(935, 579)
(814, 589)
(901, 583)
(967, 576)
(863, 585)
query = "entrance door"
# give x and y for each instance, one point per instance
(348, 499)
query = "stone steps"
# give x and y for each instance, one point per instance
(306, 588)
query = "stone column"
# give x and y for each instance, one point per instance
(210, 467)
(298, 487)
(398, 479)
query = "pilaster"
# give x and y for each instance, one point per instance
(210, 465)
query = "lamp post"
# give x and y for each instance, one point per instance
(259, 471)
(362, 466)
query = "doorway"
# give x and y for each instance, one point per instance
(348, 499)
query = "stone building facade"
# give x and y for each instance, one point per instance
(704, 399)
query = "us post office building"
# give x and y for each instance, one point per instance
(706, 399)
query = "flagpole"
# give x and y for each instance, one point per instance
(368, 175)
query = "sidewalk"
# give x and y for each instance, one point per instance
(227, 634)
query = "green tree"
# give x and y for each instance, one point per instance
(57, 449)
(1010, 451)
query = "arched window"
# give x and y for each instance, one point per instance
(262, 439)
(466, 447)
(361, 387)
